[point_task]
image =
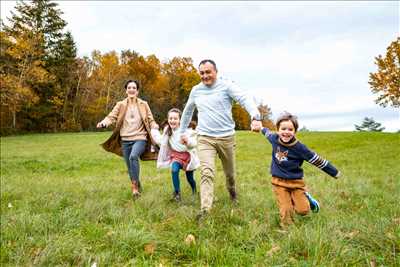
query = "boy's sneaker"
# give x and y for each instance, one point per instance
(314, 205)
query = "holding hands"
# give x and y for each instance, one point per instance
(101, 125)
(256, 125)
(184, 139)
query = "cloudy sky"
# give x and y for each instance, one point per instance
(310, 58)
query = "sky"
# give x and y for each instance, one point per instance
(310, 58)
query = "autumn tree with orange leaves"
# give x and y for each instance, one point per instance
(386, 81)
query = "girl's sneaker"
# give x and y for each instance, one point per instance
(176, 196)
(314, 205)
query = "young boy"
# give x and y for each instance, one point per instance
(288, 155)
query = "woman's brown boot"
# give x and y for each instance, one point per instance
(135, 189)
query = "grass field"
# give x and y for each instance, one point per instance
(64, 201)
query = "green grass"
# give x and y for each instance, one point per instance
(64, 201)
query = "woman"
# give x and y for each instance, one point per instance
(133, 118)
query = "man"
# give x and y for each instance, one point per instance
(216, 129)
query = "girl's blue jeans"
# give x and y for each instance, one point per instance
(175, 167)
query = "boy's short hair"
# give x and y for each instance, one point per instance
(286, 116)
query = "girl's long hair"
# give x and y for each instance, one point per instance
(165, 123)
(169, 130)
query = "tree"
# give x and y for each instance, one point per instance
(369, 125)
(81, 93)
(38, 24)
(20, 69)
(386, 81)
(39, 17)
(304, 129)
(266, 114)
(241, 117)
(181, 76)
(64, 66)
(108, 74)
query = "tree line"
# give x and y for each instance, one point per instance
(46, 87)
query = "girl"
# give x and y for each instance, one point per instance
(288, 155)
(176, 154)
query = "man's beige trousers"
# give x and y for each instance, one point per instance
(208, 147)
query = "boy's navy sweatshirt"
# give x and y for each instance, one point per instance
(288, 158)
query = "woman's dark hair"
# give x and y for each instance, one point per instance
(286, 116)
(204, 61)
(132, 81)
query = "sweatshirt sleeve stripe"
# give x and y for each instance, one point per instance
(318, 161)
(323, 164)
(314, 158)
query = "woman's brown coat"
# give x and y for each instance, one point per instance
(113, 144)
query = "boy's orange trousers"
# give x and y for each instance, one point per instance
(290, 198)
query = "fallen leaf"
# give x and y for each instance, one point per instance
(110, 233)
(149, 248)
(372, 262)
(36, 254)
(254, 222)
(390, 235)
(274, 249)
(352, 234)
(190, 239)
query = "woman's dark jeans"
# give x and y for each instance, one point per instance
(132, 151)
